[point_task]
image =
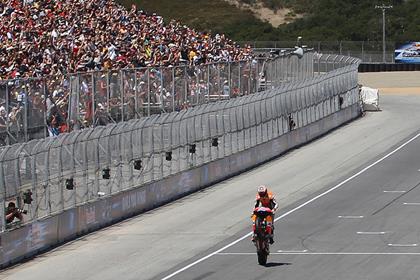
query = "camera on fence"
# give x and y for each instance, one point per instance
(292, 123)
(22, 211)
(106, 173)
(27, 197)
(215, 142)
(69, 183)
(137, 164)
(168, 156)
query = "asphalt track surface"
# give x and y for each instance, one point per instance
(349, 204)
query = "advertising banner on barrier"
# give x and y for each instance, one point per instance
(408, 53)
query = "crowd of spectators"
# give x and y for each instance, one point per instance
(43, 41)
(49, 37)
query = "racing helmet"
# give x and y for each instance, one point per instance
(262, 190)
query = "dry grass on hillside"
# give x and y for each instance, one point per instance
(275, 18)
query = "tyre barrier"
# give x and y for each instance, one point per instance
(387, 67)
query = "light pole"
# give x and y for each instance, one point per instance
(384, 8)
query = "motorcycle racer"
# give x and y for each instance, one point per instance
(265, 198)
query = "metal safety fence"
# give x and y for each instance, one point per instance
(82, 166)
(367, 51)
(40, 107)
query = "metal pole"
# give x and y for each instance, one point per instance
(383, 36)
(93, 99)
(173, 89)
(136, 101)
(25, 118)
(383, 8)
(122, 94)
(148, 92)
(44, 107)
(7, 114)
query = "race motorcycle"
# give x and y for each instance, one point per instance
(261, 233)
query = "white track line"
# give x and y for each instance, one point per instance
(411, 203)
(371, 232)
(291, 251)
(402, 245)
(394, 191)
(350, 217)
(323, 253)
(293, 210)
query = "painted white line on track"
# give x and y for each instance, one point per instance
(326, 253)
(295, 209)
(395, 191)
(351, 217)
(297, 251)
(411, 203)
(402, 245)
(371, 232)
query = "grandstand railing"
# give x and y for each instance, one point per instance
(39, 107)
(71, 169)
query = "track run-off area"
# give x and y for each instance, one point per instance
(349, 208)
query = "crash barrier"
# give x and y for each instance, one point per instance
(86, 179)
(39, 107)
(387, 67)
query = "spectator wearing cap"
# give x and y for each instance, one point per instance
(56, 40)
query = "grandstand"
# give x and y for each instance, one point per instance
(41, 38)
(62, 70)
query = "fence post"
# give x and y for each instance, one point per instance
(25, 118)
(197, 85)
(173, 89)
(148, 91)
(122, 93)
(7, 114)
(186, 85)
(136, 102)
(221, 85)
(108, 94)
(249, 79)
(208, 83)
(161, 97)
(78, 101)
(239, 79)
(93, 99)
(44, 107)
(230, 78)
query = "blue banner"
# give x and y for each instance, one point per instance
(408, 53)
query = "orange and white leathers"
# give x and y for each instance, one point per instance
(268, 201)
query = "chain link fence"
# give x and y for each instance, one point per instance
(84, 165)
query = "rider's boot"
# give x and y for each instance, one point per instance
(270, 230)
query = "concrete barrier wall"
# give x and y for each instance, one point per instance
(41, 235)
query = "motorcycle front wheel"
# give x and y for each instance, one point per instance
(262, 252)
(262, 257)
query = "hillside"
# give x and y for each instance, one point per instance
(333, 20)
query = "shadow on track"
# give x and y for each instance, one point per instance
(274, 264)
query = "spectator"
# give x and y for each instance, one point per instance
(40, 38)
(52, 38)
(12, 212)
